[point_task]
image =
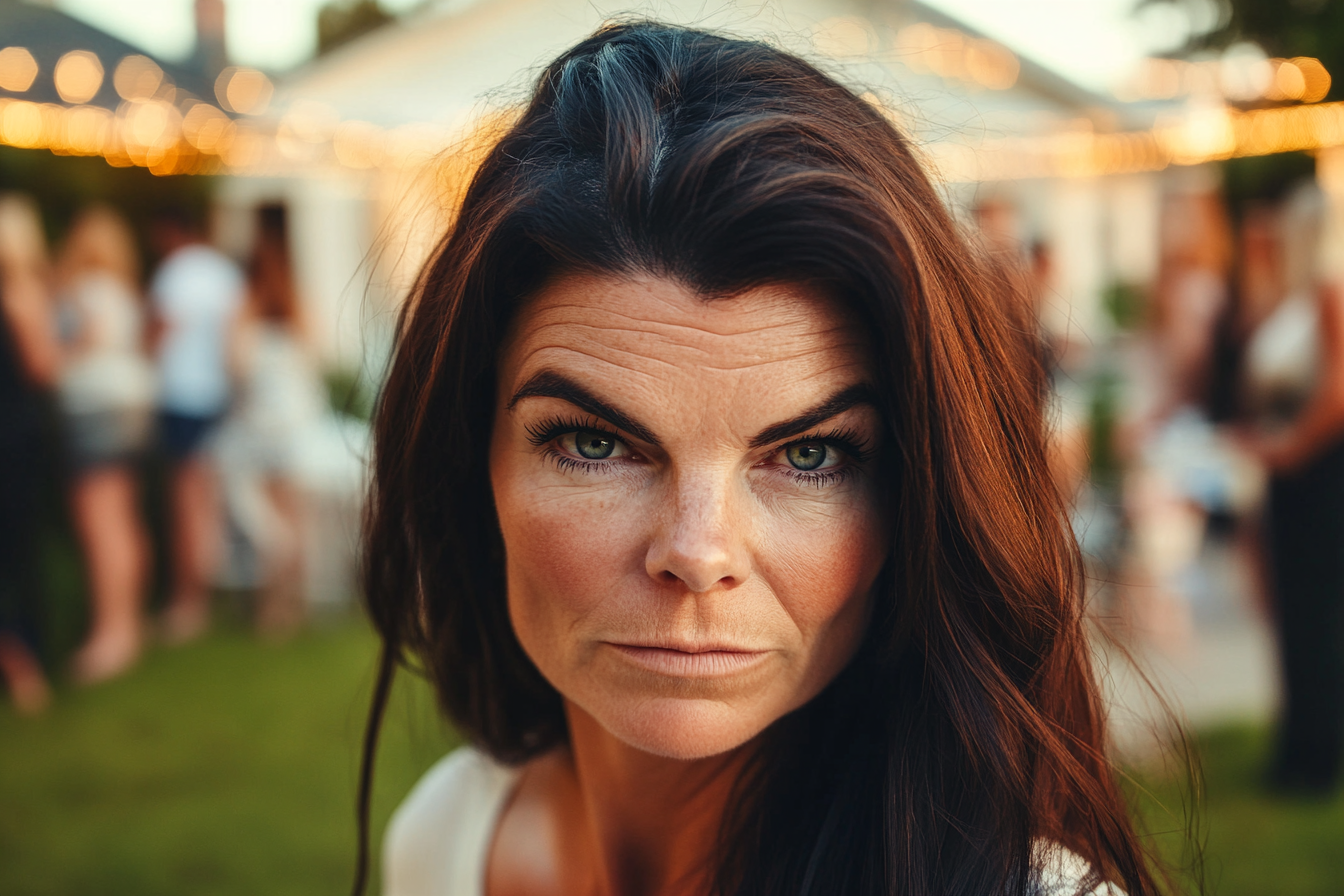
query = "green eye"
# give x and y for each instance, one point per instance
(807, 456)
(593, 445)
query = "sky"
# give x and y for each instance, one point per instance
(1094, 42)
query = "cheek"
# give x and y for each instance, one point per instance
(822, 563)
(568, 548)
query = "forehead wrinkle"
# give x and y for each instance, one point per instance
(647, 326)
(600, 358)
(608, 355)
(800, 346)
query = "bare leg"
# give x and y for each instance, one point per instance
(23, 676)
(195, 518)
(116, 549)
(280, 610)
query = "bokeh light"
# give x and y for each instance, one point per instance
(137, 77)
(245, 91)
(206, 128)
(78, 76)
(18, 69)
(87, 129)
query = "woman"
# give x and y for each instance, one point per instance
(1295, 396)
(106, 396)
(29, 358)
(710, 492)
(277, 400)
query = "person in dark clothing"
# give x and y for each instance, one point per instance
(1306, 541)
(1295, 379)
(28, 363)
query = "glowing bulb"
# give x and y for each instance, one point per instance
(78, 75)
(22, 124)
(87, 129)
(18, 68)
(137, 77)
(243, 90)
(1289, 82)
(206, 128)
(1316, 80)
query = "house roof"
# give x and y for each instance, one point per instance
(48, 34)
(439, 65)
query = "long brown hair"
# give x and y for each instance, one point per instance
(969, 726)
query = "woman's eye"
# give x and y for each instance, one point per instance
(590, 445)
(807, 456)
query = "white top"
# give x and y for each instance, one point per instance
(106, 368)
(438, 841)
(196, 292)
(280, 395)
(1283, 358)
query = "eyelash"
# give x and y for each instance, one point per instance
(850, 443)
(541, 434)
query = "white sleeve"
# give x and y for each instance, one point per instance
(438, 840)
(1060, 872)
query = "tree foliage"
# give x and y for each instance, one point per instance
(341, 21)
(1283, 28)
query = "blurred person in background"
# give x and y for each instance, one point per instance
(106, 395)
(1295, 387)
(1191, 295)
(195, 294)
(279, 398)
(1177, 469)
(29, 360)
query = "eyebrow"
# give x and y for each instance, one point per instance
(549, 384)
(860, 393)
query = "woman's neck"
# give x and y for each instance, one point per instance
(605, 819)
(653, 822)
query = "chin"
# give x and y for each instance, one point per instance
(680, 728)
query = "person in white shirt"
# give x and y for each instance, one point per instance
(106, 396)
(195, 294)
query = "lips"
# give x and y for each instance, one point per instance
(697, 662)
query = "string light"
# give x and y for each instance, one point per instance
(170, 132)
(137, 77)
(245, 91)
(78, 76)
(18, 69)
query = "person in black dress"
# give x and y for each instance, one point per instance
(28, 363)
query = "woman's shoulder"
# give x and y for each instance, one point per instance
(437, 841)
(1058, 871)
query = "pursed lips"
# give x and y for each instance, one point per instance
(683, 659)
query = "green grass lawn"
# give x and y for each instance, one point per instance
(1254, 844)
(228, 767)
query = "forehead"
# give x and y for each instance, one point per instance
(652, 329)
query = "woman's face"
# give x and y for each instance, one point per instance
(687, 493)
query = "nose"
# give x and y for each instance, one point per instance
(701, 538)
